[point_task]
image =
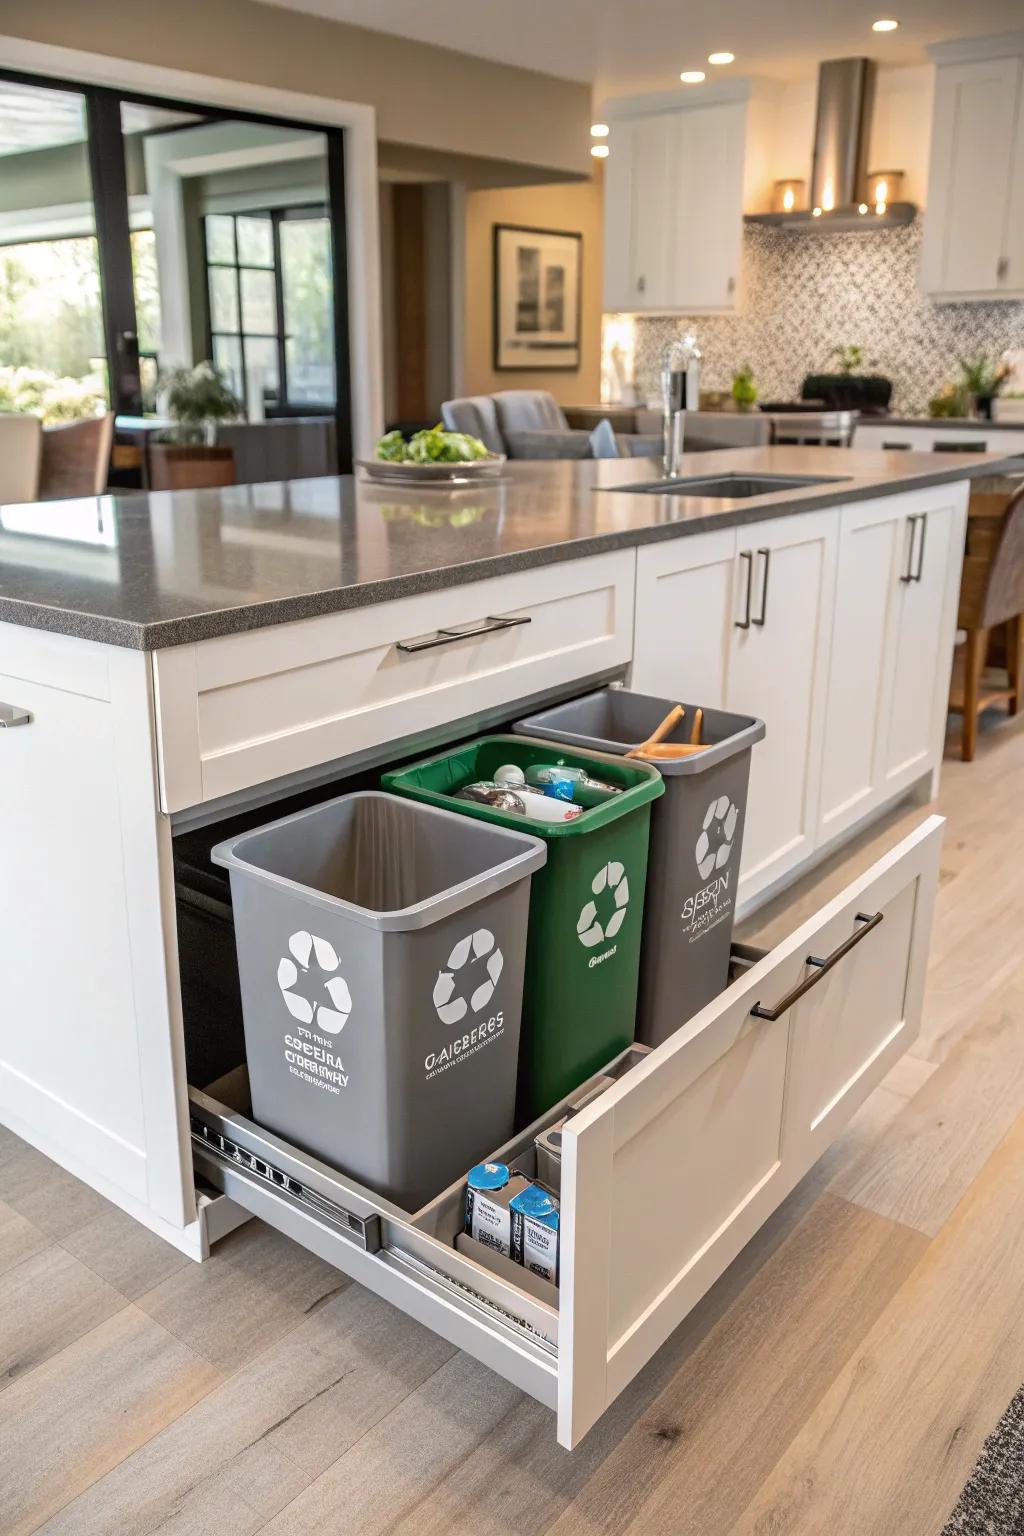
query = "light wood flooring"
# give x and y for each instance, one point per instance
(838, 1381)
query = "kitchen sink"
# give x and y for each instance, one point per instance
(728, 487)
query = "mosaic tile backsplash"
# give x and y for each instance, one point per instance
(805, 294)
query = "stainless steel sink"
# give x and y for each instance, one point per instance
(728, 487)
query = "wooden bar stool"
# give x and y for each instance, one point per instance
(991, 609)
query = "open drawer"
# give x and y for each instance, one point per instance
(665, 1177)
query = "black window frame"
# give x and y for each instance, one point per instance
(105, 148)
(291, 213)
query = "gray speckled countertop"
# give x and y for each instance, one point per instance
(167, 568)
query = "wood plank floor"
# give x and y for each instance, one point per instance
(840, 1378)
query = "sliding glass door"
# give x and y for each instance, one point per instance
(138, 236)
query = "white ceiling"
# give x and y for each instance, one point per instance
(641, 45)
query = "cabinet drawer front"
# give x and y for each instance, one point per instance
(668, 1175)
(246, 709)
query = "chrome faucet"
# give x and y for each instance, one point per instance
(682, 350)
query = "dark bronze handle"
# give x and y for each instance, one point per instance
(920, 553)
(490, 626)
(764, 588)
(744, 623)
(822, 967)
(908, 574)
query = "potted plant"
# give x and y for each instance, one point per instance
(849, 358)
(186, 458)
(982, 380)
(744, 390)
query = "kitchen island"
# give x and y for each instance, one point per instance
(168, 661)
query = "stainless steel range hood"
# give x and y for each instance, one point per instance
(839, 192)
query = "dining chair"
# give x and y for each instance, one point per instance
(19, 458)
(991, 608)
(76, 458)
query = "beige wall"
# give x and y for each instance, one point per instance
(430, 97)
(574, 207)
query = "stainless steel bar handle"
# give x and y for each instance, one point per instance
(764, 589)
(744, 623)
(919, 571)
(821, 968)
(908, 574)
(11, 715)
(490, 626)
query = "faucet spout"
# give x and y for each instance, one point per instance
(682, 355)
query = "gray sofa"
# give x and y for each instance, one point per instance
(530, 424)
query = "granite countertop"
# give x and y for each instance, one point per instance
(167, 568)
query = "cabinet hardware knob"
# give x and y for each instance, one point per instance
(490, 626)
(11, 715)
(821, 968)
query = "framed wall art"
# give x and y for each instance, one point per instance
(537, 282)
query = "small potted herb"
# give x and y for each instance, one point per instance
(187, 458)
(983, 378)
(744, 390)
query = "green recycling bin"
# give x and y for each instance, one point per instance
(586, 907)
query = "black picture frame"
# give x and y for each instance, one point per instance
(546, 354)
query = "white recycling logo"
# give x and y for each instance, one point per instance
(714, 844)
(303, 947)
(450, 1002)
(610, 877)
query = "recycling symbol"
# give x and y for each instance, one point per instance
(449, 1000)
(610, 877)
(304, 947)
(714, 844)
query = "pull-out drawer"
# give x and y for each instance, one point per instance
(245, 709)
(665, 1176)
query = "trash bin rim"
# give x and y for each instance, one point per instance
(649, 788)
(700, 762)
(423, 914)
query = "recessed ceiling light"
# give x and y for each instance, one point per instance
(721, 58)
(599, 151)
(692, 76)
(886, 24)
(599, 130)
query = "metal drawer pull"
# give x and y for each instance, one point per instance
(744, 623)
(11, 715)
(821, 968)
(908, 574)
(920, 554)
(490, 626)
(764, 588)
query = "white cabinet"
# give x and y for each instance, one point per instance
(89, 1070)
(676, 179)
(974, 220)
(778, 669)
(742, 620)
(836, 628)
(684, 605)
(921, 654)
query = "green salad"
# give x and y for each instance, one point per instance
(432, 446)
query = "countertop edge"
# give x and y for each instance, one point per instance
(189, 629)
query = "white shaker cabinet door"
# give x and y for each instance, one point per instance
(971, 177)
(684, 604)
(923, 650)
(872, 544)
(778, 670)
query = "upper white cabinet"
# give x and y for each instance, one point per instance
(678, 179)
(974, 220)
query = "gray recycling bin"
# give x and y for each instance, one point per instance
(696, 842)
(381, 946)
